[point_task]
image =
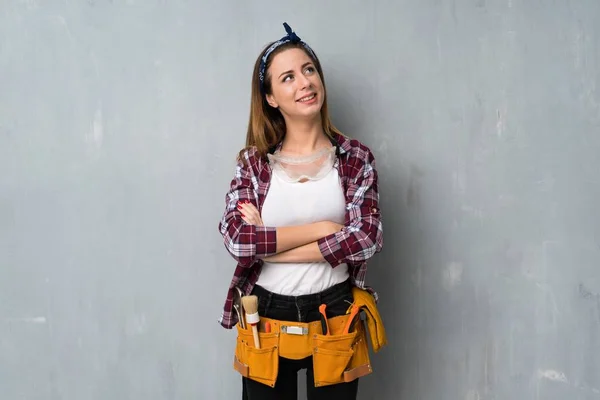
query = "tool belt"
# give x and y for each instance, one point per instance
(341, 355)
(337, 357)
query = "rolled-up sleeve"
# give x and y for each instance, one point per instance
(362, 235)
(245, 242)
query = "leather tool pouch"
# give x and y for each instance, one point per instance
(337, 357)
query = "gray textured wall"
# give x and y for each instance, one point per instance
(119, 123)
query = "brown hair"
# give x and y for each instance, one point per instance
(266, 126)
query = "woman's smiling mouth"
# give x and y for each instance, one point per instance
(308, 99)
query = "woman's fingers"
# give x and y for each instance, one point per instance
(250, 214)
(248, 210)
(252, 219)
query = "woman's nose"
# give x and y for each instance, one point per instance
(304, 82)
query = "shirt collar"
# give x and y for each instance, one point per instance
(341, 143)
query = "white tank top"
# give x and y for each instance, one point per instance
(294, 203)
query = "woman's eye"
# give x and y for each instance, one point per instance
(310, 70)
(285, 78)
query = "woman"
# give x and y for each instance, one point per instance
(302, 215)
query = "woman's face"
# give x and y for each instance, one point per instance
(296, 87)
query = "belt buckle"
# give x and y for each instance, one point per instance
(294, 330)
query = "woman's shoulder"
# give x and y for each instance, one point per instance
(248, 153)
(355, 148)
(250, 156)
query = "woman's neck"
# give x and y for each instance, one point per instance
(304, 137)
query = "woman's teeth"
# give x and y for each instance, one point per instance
(308, 98)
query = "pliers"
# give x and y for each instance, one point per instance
(353, 314)
(324, 325)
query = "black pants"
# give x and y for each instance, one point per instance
(302, 309)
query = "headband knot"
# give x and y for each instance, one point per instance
(290, 37)
(291, 34)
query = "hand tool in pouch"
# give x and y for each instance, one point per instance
(237, 306)
(324, 325)
(250, 304)
(353, 313)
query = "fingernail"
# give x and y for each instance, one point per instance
(247, 202)
(243, 216)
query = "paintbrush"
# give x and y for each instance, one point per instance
(250, 304)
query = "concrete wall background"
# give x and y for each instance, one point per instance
(119, 124)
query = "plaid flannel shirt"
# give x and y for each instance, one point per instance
(360, 238)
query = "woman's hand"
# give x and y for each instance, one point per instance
(249, 213)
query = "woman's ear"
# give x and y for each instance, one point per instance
(271, 101)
